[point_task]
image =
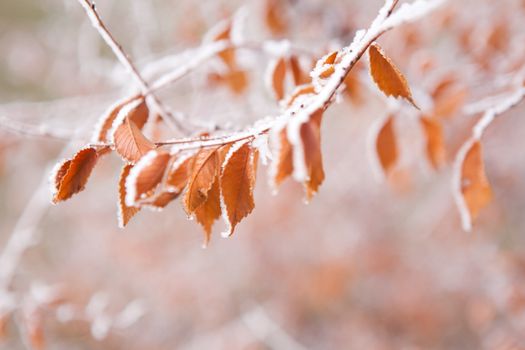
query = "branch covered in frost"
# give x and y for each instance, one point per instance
(173, 120)
(499, 108)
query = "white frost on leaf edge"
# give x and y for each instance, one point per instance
(124, 112)
(131, 181)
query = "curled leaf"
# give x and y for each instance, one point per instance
(474, 187)
(274, 17)
(277, 75)
(311, 139)
(387, 76)
(145, 176)
(299, 76)
(71, 176)
(209, 211)
(282, 164)
(435, 144)
(386, 145)
(125, 212)
(100, 134)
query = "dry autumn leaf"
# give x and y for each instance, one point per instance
(128, 139)
(203, 171)
(209, 211)
(145, 176)
(100, 135)
(125, 213)
(387, 76)
(474, 186)
(220, 32)
(274, 17)
(277, 75)
(311, 139)
(282, 165)
(299, 76)
(237, 183)
(435, 144)
(71, 176)
(386, 145)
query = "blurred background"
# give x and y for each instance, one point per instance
(373, 262)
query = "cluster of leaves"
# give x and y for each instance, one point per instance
(215, 171)
(219, 178)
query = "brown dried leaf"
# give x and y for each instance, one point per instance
(274, 18)
(100, 134)
(146, 176)
(278, 75)
(435, 144)
(283, 166)
(386, 145)
(209, 211)
(203, 171)
(330, 58)
(311, 138)
(387, 76)
(223, 32)
(237, 81)
(475, 187)
(129, 142)
(179, 174)
(327, 72)
(71, 176)
(299, 76)
(237, 184)
(125, 213)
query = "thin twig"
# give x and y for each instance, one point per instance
(176, 122)
(40, 131)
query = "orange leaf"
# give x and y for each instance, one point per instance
(146, 175)
(299, 77)
(274, 17)
(330, 58)
(327, 72)
(237, 183)
(387, 76)
(237, 81)
(203, 172)
(311, 138)
(435, 145)
(104, 125)
(474, 185)
(129, 142)
(386, 145)
(282, 166)
(278, 75)
(125, 213)
(222, 31)
(210, 210)
(71, 176)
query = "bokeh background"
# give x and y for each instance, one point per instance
(370, 263)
